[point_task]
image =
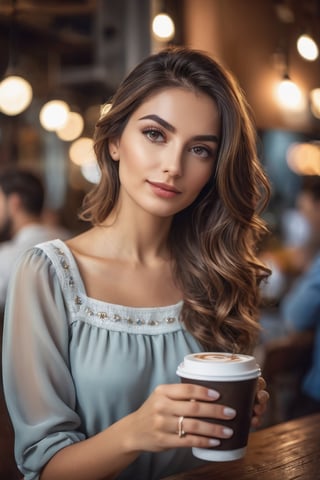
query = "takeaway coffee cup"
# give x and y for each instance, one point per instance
(235, 377)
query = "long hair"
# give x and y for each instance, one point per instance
(213, 241)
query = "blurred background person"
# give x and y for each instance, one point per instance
(300, 308)
(288, 252)
(289, 349)
(22, 197)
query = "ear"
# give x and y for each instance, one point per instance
(114, 149)
(14, 202)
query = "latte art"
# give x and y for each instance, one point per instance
(217, 357)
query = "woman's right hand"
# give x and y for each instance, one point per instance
(154, 426)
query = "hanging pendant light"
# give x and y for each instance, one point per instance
(315, 102)
(163, 27)
(72, 128)
(307, 47)
(15, 95)
(289, 95)
(15, 91)
(54, 115)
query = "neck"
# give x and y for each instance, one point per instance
(23, 221)
(141, 238)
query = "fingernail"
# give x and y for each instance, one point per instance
(214, 442)
(213, 394)
(229, 412)
(227, 431)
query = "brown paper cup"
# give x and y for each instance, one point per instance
(235, 377)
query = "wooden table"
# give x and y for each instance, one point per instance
(286, 451)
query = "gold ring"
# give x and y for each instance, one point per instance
(181, 432)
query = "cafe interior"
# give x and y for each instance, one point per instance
(61, 61)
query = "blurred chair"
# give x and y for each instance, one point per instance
(286, 360)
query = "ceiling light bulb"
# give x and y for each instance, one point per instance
(15, 95)
(72, 128)
(307, 48)
(315, 102)
(289, 95)
(304, 158)
(163, 27)
(81, 151)
(54, 115)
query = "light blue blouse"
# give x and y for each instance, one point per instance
(73, 365)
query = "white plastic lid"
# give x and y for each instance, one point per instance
(218, 366)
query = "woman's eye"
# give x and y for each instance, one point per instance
(201, 151)
(154, 135)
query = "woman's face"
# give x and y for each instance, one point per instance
(167, 151)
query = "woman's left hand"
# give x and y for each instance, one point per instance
(260, 405)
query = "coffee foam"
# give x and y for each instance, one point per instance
(217, 357)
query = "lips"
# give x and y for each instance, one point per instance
(165, 186)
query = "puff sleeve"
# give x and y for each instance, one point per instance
(38, 385)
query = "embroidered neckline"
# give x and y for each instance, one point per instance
(104, 314)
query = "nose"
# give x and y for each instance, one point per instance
(173, 162)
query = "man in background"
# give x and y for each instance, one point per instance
(300, 308)
(22, 199)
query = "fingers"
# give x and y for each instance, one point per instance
(196, 433)
(262, 397)
(198, 409)
(195, 403)
(194, 426)
(187, 391)
(156, 422)
(191, 401)
(261, 384)
(260, 406)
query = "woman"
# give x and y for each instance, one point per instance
(96, 326)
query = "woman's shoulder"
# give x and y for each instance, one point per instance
(46, 262)
(39, 254)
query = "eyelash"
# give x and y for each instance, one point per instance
(205, 149)
(158, 131)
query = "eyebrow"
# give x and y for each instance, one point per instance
(171, 128)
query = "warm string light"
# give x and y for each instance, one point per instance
(82, 154)
(289, 95)
(54, 115)
(307, 47)
(315, 102)
(81, 151)
(73, 127)
(304, 158)
(163, 27)
(15, 95)
(15, 91)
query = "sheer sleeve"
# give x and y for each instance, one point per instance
(38, 384)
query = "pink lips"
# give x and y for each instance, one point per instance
(164, 190)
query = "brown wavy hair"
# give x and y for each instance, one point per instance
(213, 241)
